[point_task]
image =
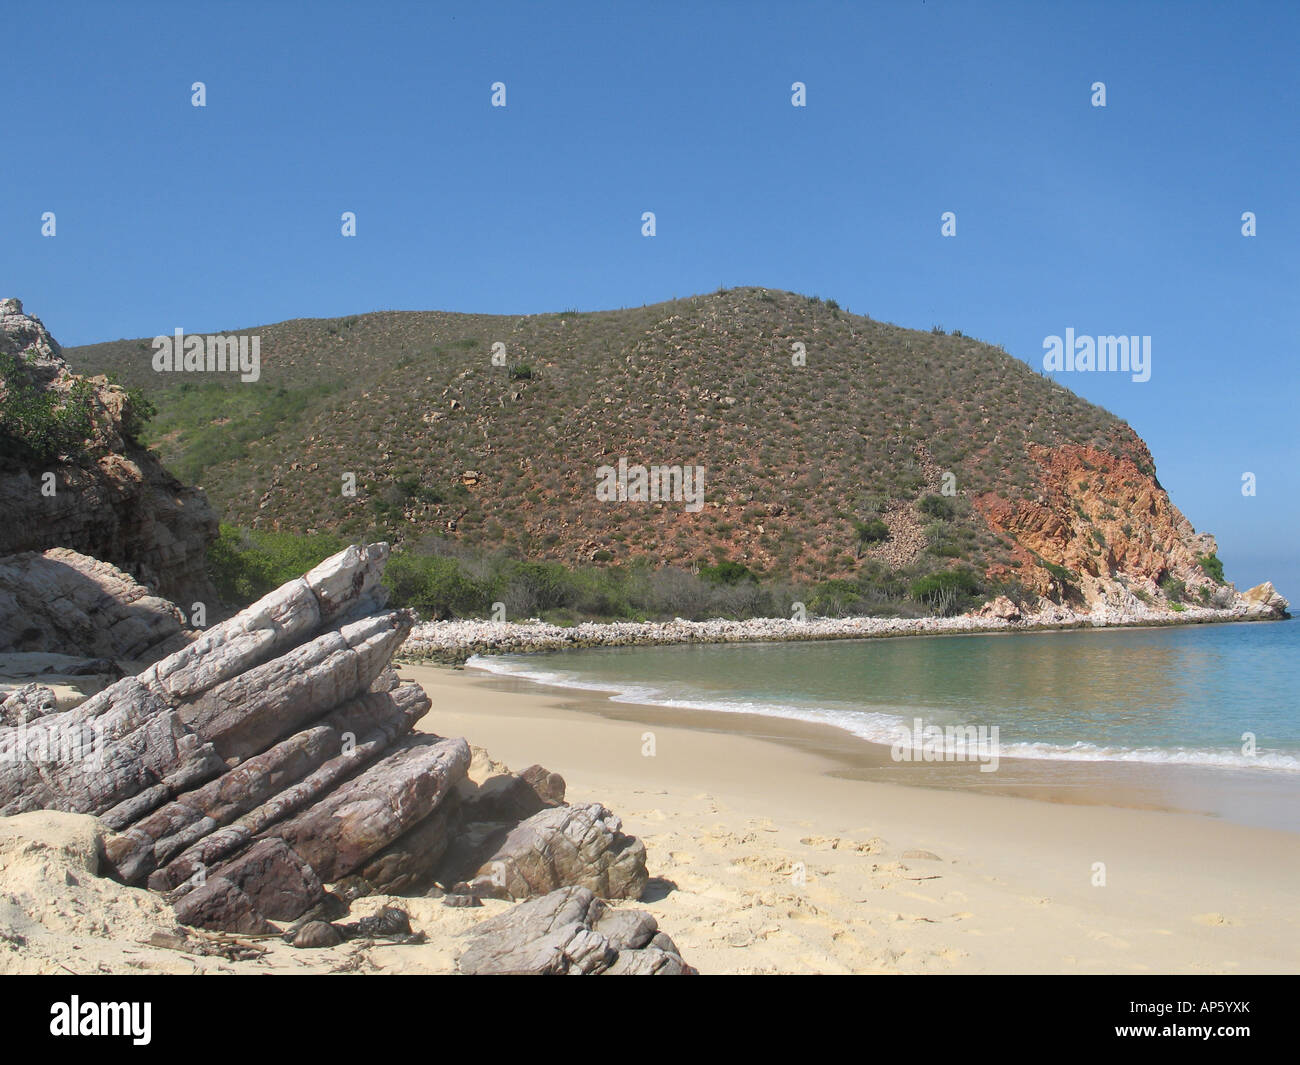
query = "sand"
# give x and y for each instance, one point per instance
(765, 862)
(764, 858)
(58, 916)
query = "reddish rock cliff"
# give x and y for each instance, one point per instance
(1103, 518)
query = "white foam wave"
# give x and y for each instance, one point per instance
(883, 727)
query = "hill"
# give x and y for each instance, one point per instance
(880, 456)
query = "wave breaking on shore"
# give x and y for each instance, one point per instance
(884, 727)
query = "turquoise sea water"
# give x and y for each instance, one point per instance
(1189, 696)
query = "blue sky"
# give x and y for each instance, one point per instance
(1123, 219)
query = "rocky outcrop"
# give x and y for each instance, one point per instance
(570, 931)
(458, 641)
(270, 880)
(34, 684)
(112, 499)
(27, 703)
(183, 716)
(1101, 527)
(1000, 607)
(267, 772)
(505, 797)
(62, 602)
(567, 845)
(1265, 599)
(367, 813)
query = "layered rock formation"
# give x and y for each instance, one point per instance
(1100, 528)
(581, 845)
(570, 931)
(267, 771)
(113, 500)
(62, 602)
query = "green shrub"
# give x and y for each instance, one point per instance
(600, 593)
(1013, 590)
(878, 582)
(934, 506)
(1064, 577)
(836, 598)
(947, 591)
(727, 572)
(39, 423)
(435, 587)
(1174, 589)
(871, 532)
(137, 413)
(545, 585)
(1212, 568)
(214, 422)
(245, 565)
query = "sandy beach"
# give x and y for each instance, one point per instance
(772, 846)
(767, 858)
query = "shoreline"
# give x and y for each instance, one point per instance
(1249, 797)
(455, 642)
(768, 857)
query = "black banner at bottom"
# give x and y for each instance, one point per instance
(144, 1014)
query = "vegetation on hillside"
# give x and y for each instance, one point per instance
(1212, 567)
(45, 424)
(831, 443)
(205, 423)
(440, 580)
